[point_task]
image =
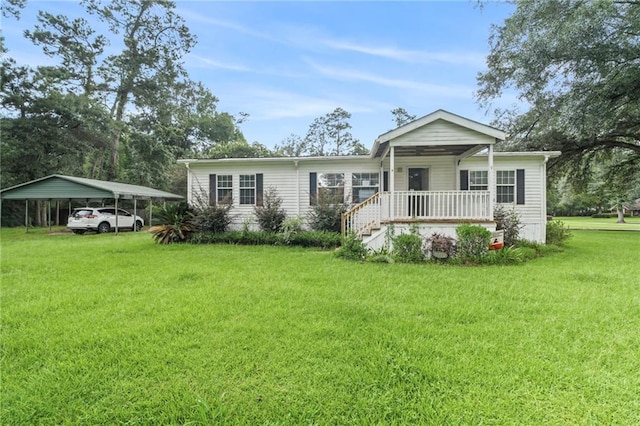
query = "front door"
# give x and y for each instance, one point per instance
(418, 181)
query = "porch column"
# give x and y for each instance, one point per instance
(392, 181)
(491, 182)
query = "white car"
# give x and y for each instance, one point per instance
(102, 219)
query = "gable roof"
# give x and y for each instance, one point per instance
(60, 187)
(383, 140)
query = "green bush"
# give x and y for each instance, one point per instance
(557, 233)
(325, 240)
(326, 214)
(508, 221)
(174, 223)
(604, 215)
(381, 258)
(407, 248)
(473, 242)
(352, 248)
(290, 227)
(270, 215)
(504, 256)
(213, 218)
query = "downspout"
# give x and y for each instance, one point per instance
(543, 208)
(296, 163)
(188, 183)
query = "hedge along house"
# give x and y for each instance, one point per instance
(67, 188)
(435, 172)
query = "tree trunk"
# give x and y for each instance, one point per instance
(620, 212)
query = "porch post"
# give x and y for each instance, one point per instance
(491, 182)
(392, 181)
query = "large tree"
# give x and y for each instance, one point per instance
(330, 135)
(574, 68)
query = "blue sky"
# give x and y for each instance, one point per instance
(286, 63)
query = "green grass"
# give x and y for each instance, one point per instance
(104, 329)
(585, 222)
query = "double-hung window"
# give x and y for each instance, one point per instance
(224, 189)
(505, 186)
(364, 185)
(478, 180)
(331, 187)
(247, 189)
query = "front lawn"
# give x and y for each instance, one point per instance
(104, 329)
(609, 224)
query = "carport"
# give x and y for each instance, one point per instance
(68, 188)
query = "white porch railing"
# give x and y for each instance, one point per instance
(422, 205)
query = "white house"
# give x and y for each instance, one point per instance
(437, 172)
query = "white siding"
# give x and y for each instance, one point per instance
(532, 213)
(442, 174)
(441, 132)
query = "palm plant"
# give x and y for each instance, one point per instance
(174, 223)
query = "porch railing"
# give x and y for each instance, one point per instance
(423, 205)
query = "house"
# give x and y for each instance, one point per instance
(435, 172)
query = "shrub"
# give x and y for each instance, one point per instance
(473, 242)
(408, 248)
(508, 220)
(557, 233)
(442, 245)
(174, 223)
(381, 258)
(326, 214)
(213, 218)
(319, 239)
(270, 215)
(352, 248)
(505, 256)
(604, 215)
(290, 227)
(325, 240)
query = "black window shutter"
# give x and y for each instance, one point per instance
(520, 186)
(213, 191)
(385, 181)
(464, 180)
(259, 191)
(313, 188)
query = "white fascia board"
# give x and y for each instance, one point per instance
(547, 154)
(274, 159)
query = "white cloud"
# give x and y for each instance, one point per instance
(201, 61)
(451, 90)
(196, 17)
(410, 56)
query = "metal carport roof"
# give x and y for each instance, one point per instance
(59, 187)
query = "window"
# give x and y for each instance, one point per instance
(505, 186)
(331, 187)
(478, 180)
(224, 190)
(247, 189)
(364, 185)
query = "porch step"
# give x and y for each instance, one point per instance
(367, 232)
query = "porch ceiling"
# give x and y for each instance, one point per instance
(424, 151)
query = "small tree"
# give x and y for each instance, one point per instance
(326, 214)
(508, 220)
(270, 214)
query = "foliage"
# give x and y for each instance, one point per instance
(508, 220)
(324, 240)
(175, 223)
(473, 242)
(352, 248)
(327, 135)
(401, 116)
(269, 213)
(557, 232)
(290, 227)
(216, 218)
(507, 256)
(326, 213)
(381, 258)
(407, 248)
(575, 65)
(441, 244)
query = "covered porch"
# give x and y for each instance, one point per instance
(422, 179)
